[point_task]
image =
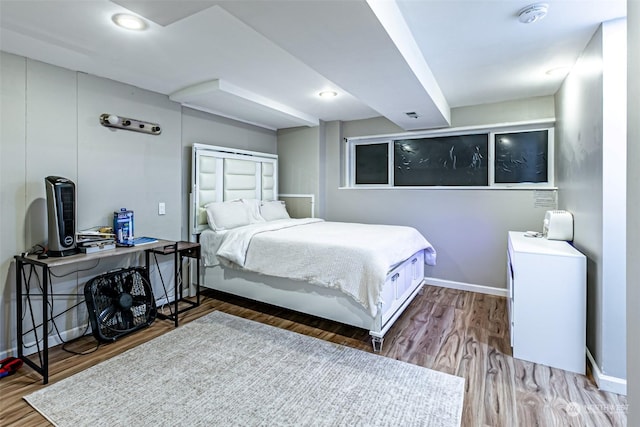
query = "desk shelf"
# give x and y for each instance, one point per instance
(180, 251)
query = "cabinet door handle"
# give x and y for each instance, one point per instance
(395, 277)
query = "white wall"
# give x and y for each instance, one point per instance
(633, 219)
(204, 128)
(120, 169)
(49, 126)
(591, 165)
(504, 112)
(299, 160)
(12, 184)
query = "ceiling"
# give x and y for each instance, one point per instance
(265, 61)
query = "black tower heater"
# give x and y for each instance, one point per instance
(61, 213)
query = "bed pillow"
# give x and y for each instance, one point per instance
(227, 215)
(272, 210)
(253, 210)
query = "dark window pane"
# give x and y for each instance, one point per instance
(372, 163)
(521, 157)
(449, 160)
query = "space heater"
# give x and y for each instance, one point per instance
(61, 214)
(558, 225)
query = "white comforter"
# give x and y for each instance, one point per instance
(354, 258)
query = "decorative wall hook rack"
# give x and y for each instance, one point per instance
(126, 123)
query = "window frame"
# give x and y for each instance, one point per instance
(550, 160)
(352, 168)
(490, 130)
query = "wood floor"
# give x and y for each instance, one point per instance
(457, 332)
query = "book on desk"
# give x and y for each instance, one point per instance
(89, 242)
(138, 241)
(93, 248)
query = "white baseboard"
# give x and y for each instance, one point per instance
(54, 339)
(162, 301)
(12, 352)
(489, 290)
(606, 382)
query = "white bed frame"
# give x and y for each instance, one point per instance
(220, 174)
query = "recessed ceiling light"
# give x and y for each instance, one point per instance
(328, 94)
(533, 13)
(130, 22)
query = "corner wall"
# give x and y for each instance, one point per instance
(591, 168)
(299, 161)
(633, 219)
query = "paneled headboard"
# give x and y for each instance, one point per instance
(220, 174)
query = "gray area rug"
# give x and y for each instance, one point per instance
(222, 370)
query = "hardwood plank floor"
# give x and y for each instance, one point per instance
(457, 332)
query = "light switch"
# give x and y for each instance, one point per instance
(161, 208)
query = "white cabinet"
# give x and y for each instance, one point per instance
(547, 302)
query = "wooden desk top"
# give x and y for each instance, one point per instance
(80, 257)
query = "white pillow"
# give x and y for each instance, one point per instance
(227, 215)
(272, 210)
(253, 210)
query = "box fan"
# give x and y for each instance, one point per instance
(119, 302)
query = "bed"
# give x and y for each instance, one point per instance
(363, 275)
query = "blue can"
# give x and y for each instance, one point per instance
(123, 227)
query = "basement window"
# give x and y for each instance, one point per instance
(522, 157)
(372, 164)
(502, 157)
(459, 160)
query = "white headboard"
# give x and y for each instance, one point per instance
(220, 174)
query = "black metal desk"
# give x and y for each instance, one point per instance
(49, 263)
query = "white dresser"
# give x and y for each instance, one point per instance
(547, 301)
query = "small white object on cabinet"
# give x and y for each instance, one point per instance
(547, 301)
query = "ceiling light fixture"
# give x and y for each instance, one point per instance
(125, 123)
(533, 13)
(328, 94)
(129, 22)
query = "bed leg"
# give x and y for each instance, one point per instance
(377, 344)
